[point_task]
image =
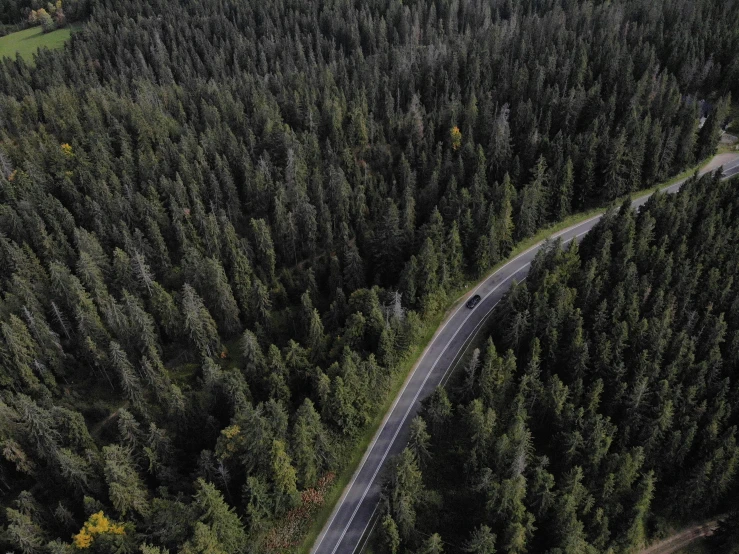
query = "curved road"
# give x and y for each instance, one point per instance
(356, 509)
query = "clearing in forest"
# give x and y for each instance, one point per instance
(28, 41)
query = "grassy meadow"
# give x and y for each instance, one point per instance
(28, 41)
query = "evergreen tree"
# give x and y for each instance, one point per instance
(390, 534)
(125, 487)
(158, 200)
(482, 541)
(710, 133)
(216, 520)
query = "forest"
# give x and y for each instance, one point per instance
(603, 408)
(223, 224)
(15, 14)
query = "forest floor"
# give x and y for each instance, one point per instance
(680, 540)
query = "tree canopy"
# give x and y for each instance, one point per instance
(609, 415)
(222, 224)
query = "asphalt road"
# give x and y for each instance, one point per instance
(355, 512)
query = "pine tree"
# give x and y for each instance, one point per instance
(531, 211)
(316, 336)
(404, 491)
(614, 177)
(284, 477)
(130, 382)
(390, 535)
(222, 300)
(264, 248)
(439, 409)
(636, 534)
(307, 441)
(432, 545)
(562, 199)
(709, 134)
(199, 323)
(218, 519)
(455, 257)
(353, 268)
(125, 487)
(20, 352)
(23, 533)
(419, 439)
(482, 541)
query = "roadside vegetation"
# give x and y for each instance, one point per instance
(588, 434)
(228, 229)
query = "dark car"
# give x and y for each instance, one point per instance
(474, 301)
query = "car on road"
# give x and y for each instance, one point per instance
(474, 301)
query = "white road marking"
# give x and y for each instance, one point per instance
(364, 544)
(412, 404)
(410, 407)
(428, 347)
(382, 427)
(675, 187)
(410, 377)
(468, 342)
(451, 367)
(490, 311)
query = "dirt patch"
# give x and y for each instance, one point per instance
(718, 161)
(682, 539)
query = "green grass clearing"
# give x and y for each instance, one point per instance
(345, 475)
(28, 41)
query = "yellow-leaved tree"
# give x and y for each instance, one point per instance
(97, 524)
(456, 136)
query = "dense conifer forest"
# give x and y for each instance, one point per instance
(222, 223)
(603, 407)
